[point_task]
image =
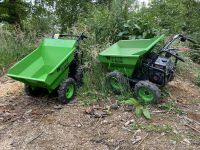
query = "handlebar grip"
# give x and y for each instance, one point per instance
(184, 38)
(191, 40)
(85, 37)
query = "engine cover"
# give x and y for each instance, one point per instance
(163, 70)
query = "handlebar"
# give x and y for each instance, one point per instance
(172, 52)
(80, 37)
(184, 38)
(176, 37)
(192, 41)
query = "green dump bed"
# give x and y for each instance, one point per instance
(125, 54)
(46, 66)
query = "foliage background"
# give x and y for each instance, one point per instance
(24, 24)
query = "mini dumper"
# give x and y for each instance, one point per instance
(133, 63)
(52, 66)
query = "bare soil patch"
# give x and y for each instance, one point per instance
(41, 123)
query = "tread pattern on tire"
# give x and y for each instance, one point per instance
(62, 90)
(150, 85)
(119, 77)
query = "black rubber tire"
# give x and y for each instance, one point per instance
(62, 90)
(79, 76)
(120, 78)
(151, 86)
(30, 91)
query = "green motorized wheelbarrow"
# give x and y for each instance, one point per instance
(133, 63)
(53, 65)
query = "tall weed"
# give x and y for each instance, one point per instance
(14, 45)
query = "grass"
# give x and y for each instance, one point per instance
(197, 80)
(152, 128)
(95, 88)
(176, 137)
(193, 136)
(189, 69)
(87, 98)
(14, 45)
(165, 92)
(171, 106)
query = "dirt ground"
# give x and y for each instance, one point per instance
(42, 124)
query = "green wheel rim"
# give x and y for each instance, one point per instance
(146, 95)
(115, 84)
(69, 91)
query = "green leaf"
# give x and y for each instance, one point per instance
(146, 113)
(132, 102)
(139, 37)
(144, 34)
(132, 37)
(122, 33)
(138, 111)
(126, 25)
(137, 27)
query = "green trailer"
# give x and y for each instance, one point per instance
(134, 63)
(51, 66)
(126, 55)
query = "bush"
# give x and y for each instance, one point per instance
(104, 24)
(116, 23)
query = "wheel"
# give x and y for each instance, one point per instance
(147, 92)
(116, 82)
(31, 91)
(66, 91)
(79, 75)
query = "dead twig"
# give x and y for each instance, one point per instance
(142, 141)
(63, 124)
(159, 136)
(159, 111)
(80, 120)
(98, 122)
(35, 138)
(123, 127)
(40, 120)
(191, 120)
(192, 128)
(118, 147)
